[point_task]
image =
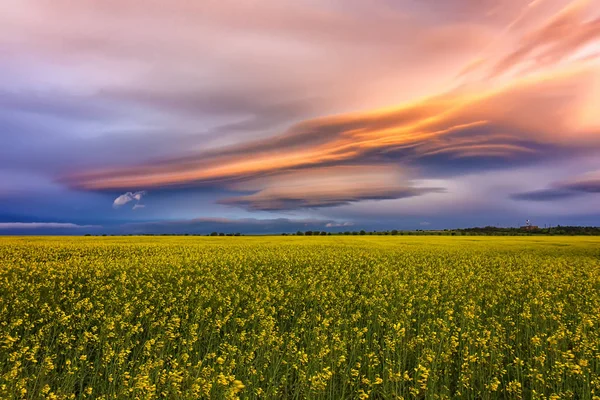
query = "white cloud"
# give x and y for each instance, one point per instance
(338, 224)
(43, 225)
(425, 223)
(129, 197)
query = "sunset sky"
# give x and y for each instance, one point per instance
(122, 116)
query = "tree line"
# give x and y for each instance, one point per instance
(477, 231)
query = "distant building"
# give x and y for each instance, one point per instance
(529, 227)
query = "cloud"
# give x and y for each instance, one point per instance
(326, 187)
(110, 100)
(129, 197)
(545, 194)
(577, 186)
(42, 225)
(58, 105)
(515, 123)
(138, 206)
(273, 107)
(561, 36)
(338, 224)
(425, 223)
(588, 183)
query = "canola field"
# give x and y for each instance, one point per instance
(300, 318)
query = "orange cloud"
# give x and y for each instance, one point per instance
(512, 120)
(518, 118)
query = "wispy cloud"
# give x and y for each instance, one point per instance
(558, 38)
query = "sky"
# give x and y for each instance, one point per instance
(127, 117)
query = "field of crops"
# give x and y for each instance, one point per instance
(300, 317)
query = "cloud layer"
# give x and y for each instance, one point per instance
(43, 225)
(326, 187)
(573, 187)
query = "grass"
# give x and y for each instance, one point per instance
(300, 317)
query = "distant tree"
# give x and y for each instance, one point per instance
(394, 232)
(308, 233)
(214, 234)
(299, 233)
(346, 233)
(362, 232)
(221, 234)
(323, 233)
(238, 234)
